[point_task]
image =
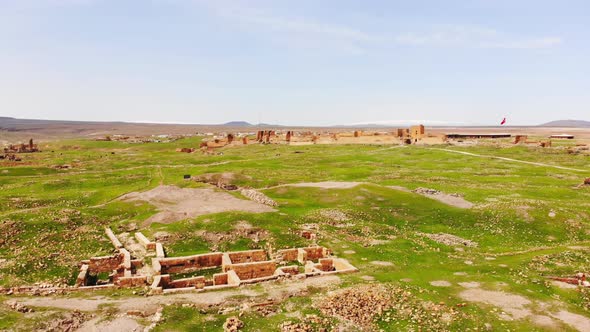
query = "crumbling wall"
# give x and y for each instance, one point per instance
(220, 279)
(314, 253)
(292, 269)
(253, 270)
(247, 256)
(189, 263)
(287, 255)
(136, 281)
(197, 282)
(105, 263)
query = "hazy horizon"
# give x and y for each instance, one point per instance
(302, 64)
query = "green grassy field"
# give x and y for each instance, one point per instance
(529, 222)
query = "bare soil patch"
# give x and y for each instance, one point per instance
(177, 204)
(440, 283)
(119, 324)
(381, 263)
(519, 307)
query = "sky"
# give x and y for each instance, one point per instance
(304, 62)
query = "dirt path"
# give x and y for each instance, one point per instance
(518, 307)
(274, 290)
(513, 160)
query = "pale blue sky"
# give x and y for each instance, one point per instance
(295, 62)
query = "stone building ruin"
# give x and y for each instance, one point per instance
(203, 272)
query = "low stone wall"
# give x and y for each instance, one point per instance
(81, 280)
(288, 255)
(249, 256)
(292, 270)
(147, 244)
(315, 253)
(197, 282)
(220, 279)
(105, 263)
(189, 263)
(253, 270)
(160, 250)
(113, 238)
(137, 281)
(326, 265)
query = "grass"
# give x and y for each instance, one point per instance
(51, 219)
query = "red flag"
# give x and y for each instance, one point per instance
(503, 122)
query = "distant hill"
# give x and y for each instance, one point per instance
(567, 123)
(237, 124)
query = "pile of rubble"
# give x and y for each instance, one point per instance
(426, 191)
(365, 305)
(258, 197)
(334, 215)
(18, 307)
(360, 305)
(232, 324)
(311, 323)
(449, 239)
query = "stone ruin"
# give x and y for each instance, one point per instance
(210, 271)
(11, 150)
(22, 148)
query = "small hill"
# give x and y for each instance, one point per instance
(237, 124)
(567, 123)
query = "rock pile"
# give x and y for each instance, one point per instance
(258, 197)
(232, 324)
(334, 215)
(360, 305)
(289, 326)
(18, 307)
(449, 239)
(394, 305)
(426, 191)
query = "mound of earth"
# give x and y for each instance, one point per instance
(176, 203)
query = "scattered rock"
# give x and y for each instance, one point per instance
(258, 197)
(449, 239)
(232, 324)
(19, 307)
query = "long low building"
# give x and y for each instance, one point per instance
(562, 136)
(478, 135)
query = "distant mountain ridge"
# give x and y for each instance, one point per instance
(567, 123)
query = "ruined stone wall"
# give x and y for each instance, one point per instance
(197, 282)
(136, 281)
(105, 263)
(247, 256)
(288, 255)
(292, 270)
(314, 253)
(326, 265)
(254, 270)
(190, 263)
(220, 279)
